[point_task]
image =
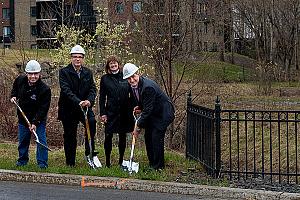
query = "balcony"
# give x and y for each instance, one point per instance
(45, 0)
(45, 38)
(53, 19)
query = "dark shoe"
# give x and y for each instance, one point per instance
(43, 167)
(70, 165)
(124, 168)
(19, 164)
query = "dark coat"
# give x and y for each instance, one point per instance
(73, 90)
(157, 108)
(33, 100)
(114, 101)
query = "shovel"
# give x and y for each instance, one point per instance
(92, 159)
(29, 125)
(131, 166)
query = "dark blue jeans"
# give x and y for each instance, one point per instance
(24, 136)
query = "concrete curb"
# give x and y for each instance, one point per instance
(142, 185)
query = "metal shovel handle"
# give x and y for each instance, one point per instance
(136, 118)
(29, 125)
(88, 132)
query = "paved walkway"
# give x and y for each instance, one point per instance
(142, 185)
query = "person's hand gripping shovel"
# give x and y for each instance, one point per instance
(92, 159)
(29, 125)
(131, 166)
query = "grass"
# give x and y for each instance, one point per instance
(178, 168)
(216, 71)
(13, 56)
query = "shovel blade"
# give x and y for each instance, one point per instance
(90, 162)
(133, 168)
(97, 162)
(94, 162)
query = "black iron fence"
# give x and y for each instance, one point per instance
(245, 143)
(203, 136)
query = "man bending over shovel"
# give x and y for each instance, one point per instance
(157, 112)
(33, 97)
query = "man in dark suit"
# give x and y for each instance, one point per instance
(157, 112)
(77, 90)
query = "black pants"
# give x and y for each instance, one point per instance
(154, 141)
(108, 147)
(70, 138)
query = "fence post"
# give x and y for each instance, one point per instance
(189, 97)
(218, 136)
(189, 100)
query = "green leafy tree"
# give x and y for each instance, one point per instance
(109, 39)
(67, 37)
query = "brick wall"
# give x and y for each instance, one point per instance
(23, 22)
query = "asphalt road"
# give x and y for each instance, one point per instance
(31, 191)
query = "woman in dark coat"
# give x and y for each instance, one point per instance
(115, 108)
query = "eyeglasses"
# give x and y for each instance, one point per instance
(80, 57)
(33, 74)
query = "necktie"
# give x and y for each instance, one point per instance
(136, 92)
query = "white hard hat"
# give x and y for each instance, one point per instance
(33, 66)
(77, 49)
(129, 69)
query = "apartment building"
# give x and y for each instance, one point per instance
(7, 18)
(32, 23)
(193, 20)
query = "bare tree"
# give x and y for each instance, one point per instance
(164, 33)
(275, 25)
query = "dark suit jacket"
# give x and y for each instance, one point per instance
(157, 108)
(73, 90)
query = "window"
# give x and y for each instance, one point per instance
(83, 9)
(6, 31)
(137, 7)
(120, 7)
(205, 46)
(176, 6)
(33, 30)
(198, 8)
(68, 10)
(5, 13)
(159, 6)
(205, 27)
(33, 11)
(33, 46)
(214, 47)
